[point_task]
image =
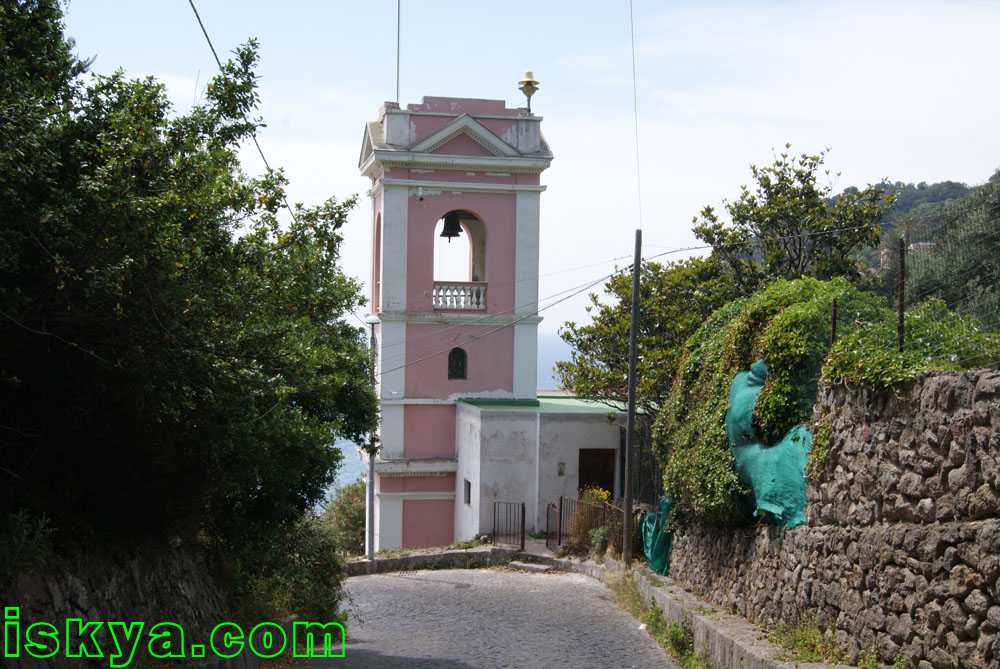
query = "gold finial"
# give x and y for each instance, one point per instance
(528, 87)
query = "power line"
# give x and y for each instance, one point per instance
(502, 327)
(580, 289)
(576, 290)
(253, 135)
(489, 316)
(635, 113)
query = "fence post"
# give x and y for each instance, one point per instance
(496, 521)
(902, 283)
(522, 526)
(559, 525)
(833, 323)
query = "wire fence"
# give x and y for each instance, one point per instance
(583, 526)
(954, 258)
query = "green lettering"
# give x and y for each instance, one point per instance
(11, 631)
(231, 640)
(38, 648)
(265, 643)
(308, 639)
(120, 632)
(166, 644)
(91, 648)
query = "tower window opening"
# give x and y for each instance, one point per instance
(457, 361)
(465, 259)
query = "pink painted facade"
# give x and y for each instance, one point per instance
(479, 162)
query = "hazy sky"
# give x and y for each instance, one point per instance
(905, 91)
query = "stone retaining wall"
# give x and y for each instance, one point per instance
(173, 585)
(901, 552)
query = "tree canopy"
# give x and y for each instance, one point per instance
(172, 357)
(789, 226)
(674, 299)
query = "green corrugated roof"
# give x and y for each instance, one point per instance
(544, 404)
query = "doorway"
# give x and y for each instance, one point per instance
(597, 468)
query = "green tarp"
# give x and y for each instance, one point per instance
(656, 543)
(775, 474)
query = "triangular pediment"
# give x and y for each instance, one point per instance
(372, 140)
(468, 128)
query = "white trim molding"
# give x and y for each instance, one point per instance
(416, 467)
(458, 319)
(417, 495)
(451, 186)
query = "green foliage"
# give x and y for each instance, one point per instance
(345, 516)
(677, 637)
(172, 359)
(767, 236)
(820, 451)
(787, 325)
(674, 299)
(806, 641)
(680, 637)
(868, 659)
(300, 573)
(935, 340)
(25, 542)
(599, 539)
(963, 264)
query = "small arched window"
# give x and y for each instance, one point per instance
(457, 364)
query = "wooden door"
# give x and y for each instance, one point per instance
(597, 468)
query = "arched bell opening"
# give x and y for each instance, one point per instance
(459, 261)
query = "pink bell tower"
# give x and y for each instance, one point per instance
(468, 170)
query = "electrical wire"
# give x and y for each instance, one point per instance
(576, 290)
(253, 135)
(494, 331)
(486, 317)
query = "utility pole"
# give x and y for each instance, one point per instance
(630, 425)
(370, 525)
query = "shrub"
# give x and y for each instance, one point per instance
(25, 542)
(788, 326)
(300, 574)
(345, 515)
(934, 340)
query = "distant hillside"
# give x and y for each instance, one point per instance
(551, 349)
(919, 207)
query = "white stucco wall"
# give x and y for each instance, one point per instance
(514, 456)
(467, 442)
(561, 436)
(507, 456)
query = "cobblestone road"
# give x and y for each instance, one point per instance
(459, 619)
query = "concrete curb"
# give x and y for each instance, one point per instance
(458, 559)
(727, 641)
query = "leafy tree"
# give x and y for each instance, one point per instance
(674, 299)
(172, 359)
(786, 228)
(961, 265)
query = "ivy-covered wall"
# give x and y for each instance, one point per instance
(901, 553)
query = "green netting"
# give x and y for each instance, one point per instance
(775, 474)
(656, 543)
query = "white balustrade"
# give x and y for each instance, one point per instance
(455, 295)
